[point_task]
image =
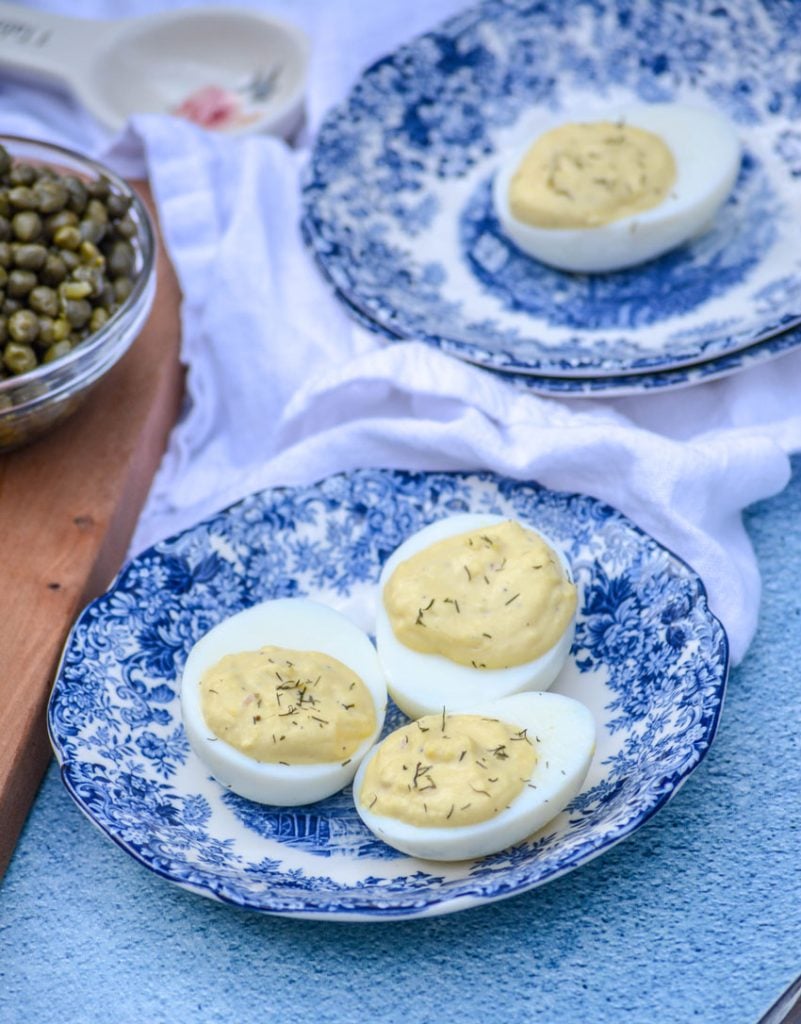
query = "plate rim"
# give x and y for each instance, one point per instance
(609, 386)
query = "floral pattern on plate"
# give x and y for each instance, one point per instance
(649, 659)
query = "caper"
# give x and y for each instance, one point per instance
(5, 161)
(31, 256)
(22, 198)
(44, 300)
(67, 237)
(26, 225)
(20, 282)
(125, 226)
(74, 290)
(63, 218)
(3, 327)
(23, 326)
(22, 174)
(95, 210)
(45, 337)
(61, 329)
(54, 271)
(51, 195)
(93, 276)
(99, 188)
(56, 351)
(5, 229)
(91, 255)
(76, 311)
(78, 196)
(123, 286)
(70, 259)
(19, 358)
(118, 205)
(106, 297)
(121, 259)
(10, 306)
(98, 318)
(92, 230)
(6, 254)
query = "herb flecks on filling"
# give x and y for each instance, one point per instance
(489, 598)
(286, 706)
(448, 770)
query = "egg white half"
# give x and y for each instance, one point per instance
(422, 684)
(298, 624)
(706, 151)
(563, 732)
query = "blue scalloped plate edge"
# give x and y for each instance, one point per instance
(702, 372)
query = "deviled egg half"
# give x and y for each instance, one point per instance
(470, 609)
(608, 194)
(457, 786)
(283, 700)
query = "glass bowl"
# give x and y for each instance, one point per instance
(33, 402)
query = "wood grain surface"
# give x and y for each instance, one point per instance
(68, 506)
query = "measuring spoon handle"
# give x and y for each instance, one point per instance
(48, 45)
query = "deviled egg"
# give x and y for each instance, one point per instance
(283, 700)
(603, 195)
(473, 608)
(457, 786)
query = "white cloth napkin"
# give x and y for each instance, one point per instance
(284, 388)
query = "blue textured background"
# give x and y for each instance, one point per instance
(697, 917)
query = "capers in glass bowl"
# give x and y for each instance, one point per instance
(77, 280)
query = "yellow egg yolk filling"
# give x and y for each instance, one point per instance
(284, 706)
(490, 598)
(448, 770)
(586, 175)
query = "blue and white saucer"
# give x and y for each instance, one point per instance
(649, 659)
(397, 207)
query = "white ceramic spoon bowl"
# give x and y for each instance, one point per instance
(152, 64)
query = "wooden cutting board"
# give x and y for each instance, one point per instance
(68, 505)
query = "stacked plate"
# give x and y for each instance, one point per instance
(398, 207)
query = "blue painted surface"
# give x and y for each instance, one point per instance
(697, 917)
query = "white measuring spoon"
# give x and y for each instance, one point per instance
(154, 64)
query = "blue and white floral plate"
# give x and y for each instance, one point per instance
(649, 659)
(396, 197)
